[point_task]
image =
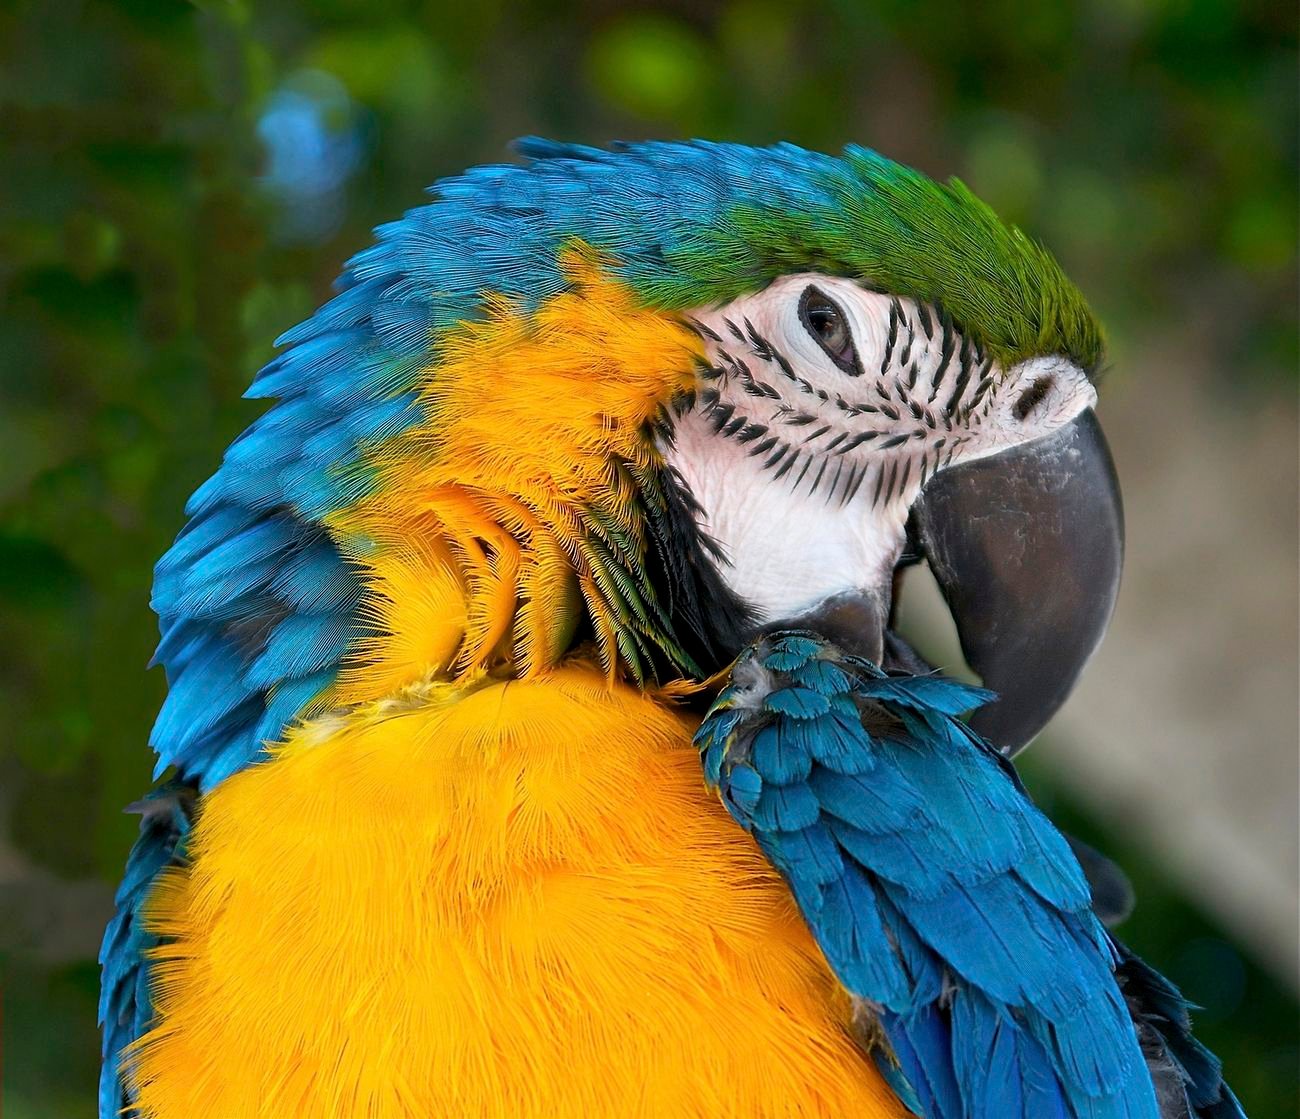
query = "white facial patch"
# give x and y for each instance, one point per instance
(786, 547)
(825, 409)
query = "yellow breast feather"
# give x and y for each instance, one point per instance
(492, 898)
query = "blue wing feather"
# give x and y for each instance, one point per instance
(998, 1060)
(124, 1000)
(940, 895)
(922, 1045)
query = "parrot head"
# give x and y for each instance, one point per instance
(652, 400)
(842, 432)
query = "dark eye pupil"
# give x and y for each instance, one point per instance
(824, 321)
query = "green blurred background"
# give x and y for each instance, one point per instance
(180, 183)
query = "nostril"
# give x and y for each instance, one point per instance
(1032, 397)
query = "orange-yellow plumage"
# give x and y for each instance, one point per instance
(416, 607)
(500, 898)
(522, 466)
(487, 881)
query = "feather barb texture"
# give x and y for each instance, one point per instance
(524, 881)
(524, 474)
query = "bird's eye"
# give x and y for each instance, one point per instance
(824, 319)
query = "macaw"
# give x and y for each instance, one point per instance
(594, 467)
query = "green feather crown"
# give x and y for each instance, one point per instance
(692, 224)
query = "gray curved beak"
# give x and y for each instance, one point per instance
(1027, 548)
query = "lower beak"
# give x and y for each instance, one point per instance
(1027, 548)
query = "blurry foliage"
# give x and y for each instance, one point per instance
(181, 182)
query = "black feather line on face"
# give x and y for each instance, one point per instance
(964, 357)
(720, 414)
(682, 565)
(880, 484)
(856, 475)
(781, 451)
(982, 390)
(895, 317)
(703, 329)
(817, 481)
(835, 481)
(946, 348)
(857, 441)
(923, 313)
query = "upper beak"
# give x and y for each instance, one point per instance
(1027, 548)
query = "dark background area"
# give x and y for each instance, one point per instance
(181, 182)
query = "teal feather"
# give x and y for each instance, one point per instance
(941, 897)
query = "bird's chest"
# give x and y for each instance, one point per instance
(518, 903)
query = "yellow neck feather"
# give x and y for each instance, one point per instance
(502, 515)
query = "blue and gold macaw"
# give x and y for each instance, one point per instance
(595, 466)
